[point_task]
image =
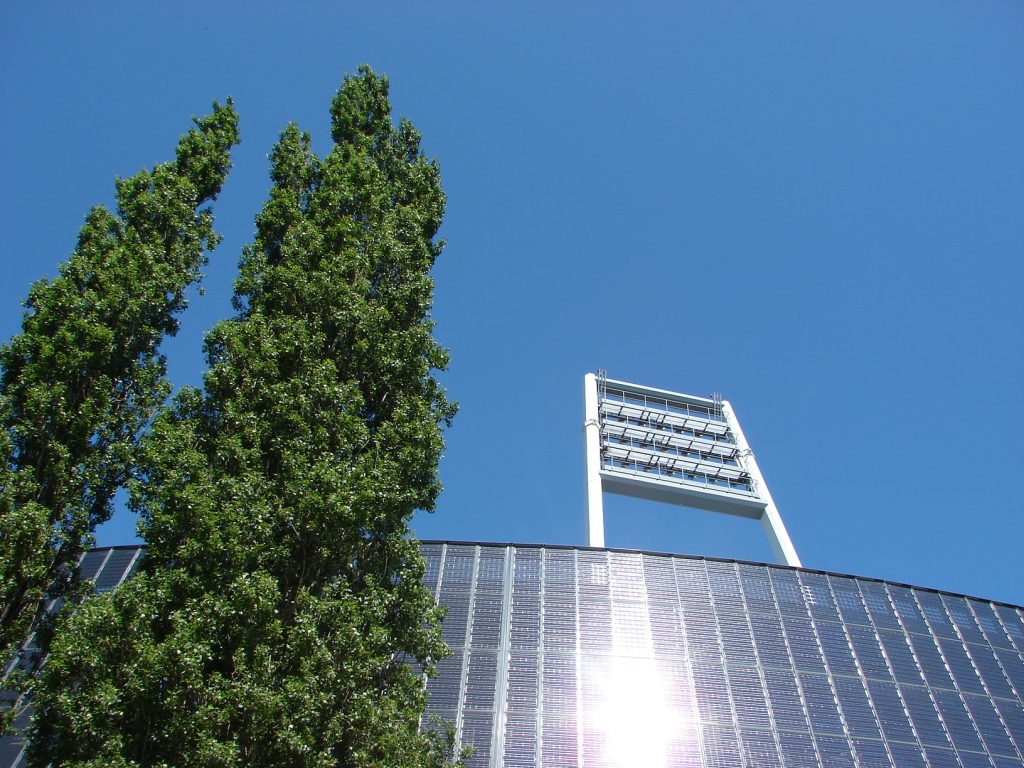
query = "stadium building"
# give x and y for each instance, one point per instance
(588, 657)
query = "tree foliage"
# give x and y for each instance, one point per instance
(281, 598)
(84, 376)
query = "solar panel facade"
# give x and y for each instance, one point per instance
(581, 657)
(568, 657)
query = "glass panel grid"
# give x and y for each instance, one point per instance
(857, 712)
(1013, 716)
(849, 601)
(759, 749)
(1013, 667)
(868, 652)
(989, 725)
(923, 716)
(769, 641)
(798, 750)
(907, 755)
(91, 561)
(963, 618)
(113, 570)
(1013, 623)
(872, 754)
(907, 609)
(957, 722)
(784, 696)
(835, 752)
(880, 607)
(836, 648)
(935, 614)
(892, 715)
(821, 704)
(991, 672)
(818, 596)
(964, 673)
(990, 624)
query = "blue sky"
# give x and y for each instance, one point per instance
(816, 209)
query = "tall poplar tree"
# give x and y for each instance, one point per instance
(84, 376)
(281, 598)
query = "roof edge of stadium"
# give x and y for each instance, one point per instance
(713, 558)
(625, 550)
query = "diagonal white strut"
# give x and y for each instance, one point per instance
(778, 537)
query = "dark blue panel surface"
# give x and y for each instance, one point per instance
(597, 658)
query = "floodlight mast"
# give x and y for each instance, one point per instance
(667, 446)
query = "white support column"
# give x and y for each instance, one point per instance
(592, 438)
(783, 547)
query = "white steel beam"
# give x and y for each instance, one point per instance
(592, 438)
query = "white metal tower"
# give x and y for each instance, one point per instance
(666, 446)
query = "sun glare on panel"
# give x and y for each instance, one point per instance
(635, 716)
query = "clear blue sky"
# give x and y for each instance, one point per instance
(816, 209)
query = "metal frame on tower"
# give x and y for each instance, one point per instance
(667, 446)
